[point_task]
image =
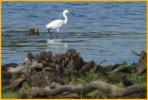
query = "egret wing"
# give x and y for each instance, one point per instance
(55, 24)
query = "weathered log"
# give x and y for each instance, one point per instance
(5, 74)
(110, 90)
(87, 67)
(141, 68)
(57, 79)
(33, 92)
(135, 53)
(70, 63)
(33, 31)
(36, 79)
(21, 68)
(124, 68)
(60, 64)
(68, 95)
(5, 67)
(16, 84)
(30, 56)
(134, 91)
(25, 68)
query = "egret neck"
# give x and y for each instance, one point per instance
(65, 18)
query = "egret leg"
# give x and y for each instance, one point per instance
(57, 33)
(48, 30)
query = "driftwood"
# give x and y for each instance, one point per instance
(91, 66)
(36, 79)
(44, 71)
(61, 64)
(16, 83)
(5, 74)
(110, 90)
(124, 68)
(141, 65)
(33, 31)
(26, 67)
(141, 68)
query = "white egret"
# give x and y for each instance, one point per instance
(58, 23)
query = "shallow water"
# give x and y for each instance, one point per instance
(99, 31)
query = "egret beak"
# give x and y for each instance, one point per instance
(72, 13)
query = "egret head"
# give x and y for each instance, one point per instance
(66, 11)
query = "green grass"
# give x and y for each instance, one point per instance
(138, 79)
(83, 78)
(120, 84)
(25, 85)
(13, 94)
(9, 94)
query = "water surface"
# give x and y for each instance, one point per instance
(99, 30)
